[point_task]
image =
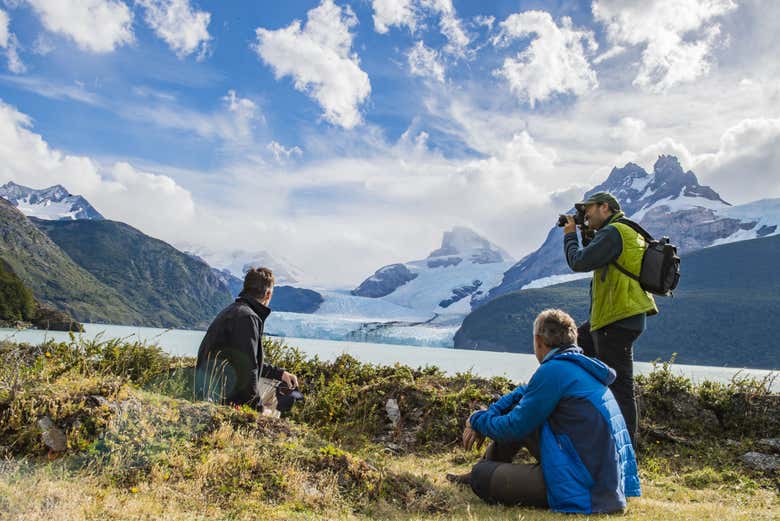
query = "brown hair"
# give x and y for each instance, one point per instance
(258, 281)
(556, 328)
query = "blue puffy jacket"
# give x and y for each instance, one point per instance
(586, 454)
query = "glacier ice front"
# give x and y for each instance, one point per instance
(335, 327)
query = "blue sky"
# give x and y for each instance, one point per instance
(345, 135)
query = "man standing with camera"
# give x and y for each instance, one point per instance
(619, 305)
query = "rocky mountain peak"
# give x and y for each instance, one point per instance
(52, 203)
(668, 201)
(465, 242)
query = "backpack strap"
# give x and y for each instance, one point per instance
(636, 227)
(641, 231)
(624, 271)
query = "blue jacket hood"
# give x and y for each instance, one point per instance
(598, 369)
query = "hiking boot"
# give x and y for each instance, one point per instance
(460, 479)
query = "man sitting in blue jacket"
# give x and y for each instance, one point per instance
(570, 422)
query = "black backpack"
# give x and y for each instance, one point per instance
(660, 272)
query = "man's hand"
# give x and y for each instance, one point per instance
(290, 379)
(570, 226)
(471, 437)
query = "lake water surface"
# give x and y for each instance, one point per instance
(516, 367)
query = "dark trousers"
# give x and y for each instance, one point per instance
(497, 480)
(614, 346)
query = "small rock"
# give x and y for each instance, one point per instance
(733, 443)
(392, 448)
(759, 461)
(101, 401)
(53, 437)
(393, 412)
(770, 445)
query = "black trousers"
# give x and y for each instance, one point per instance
(614, 346)
(497, 480)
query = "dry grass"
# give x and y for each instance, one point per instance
(152, 454)
(49, 491)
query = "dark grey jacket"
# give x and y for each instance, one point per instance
(230, 357)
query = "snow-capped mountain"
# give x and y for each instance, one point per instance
(445, 282)
(238, 262)
(668, 201)
(53, 204)
(420, 302)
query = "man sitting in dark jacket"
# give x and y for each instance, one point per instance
(230, 357)
(570, 422)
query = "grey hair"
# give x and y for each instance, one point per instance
(556, 327)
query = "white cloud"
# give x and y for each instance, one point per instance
(393, 12)
(450, 26)
(412, 14)
(183, 28)
(42, 45)
(424, 62)
(746, 165)
(10, 44)
(95, 25)
(615, 51)
(281, 153)
(554, 62)
(628, 130)
(486, 21)
(48, 89)
(678, 36)
(319, 58)
(234, 123)
(4, 21)
(117, 192)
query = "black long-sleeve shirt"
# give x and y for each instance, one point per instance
(604, 249)
(232, 348)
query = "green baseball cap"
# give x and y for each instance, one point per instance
(600, 198)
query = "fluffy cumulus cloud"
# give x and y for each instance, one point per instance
(26, 158)
(556, 61)
(184, 28)
(95, 25)
(677, 36)
(424, 61)
(318, 56)
(9, 44)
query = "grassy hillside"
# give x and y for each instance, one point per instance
(720, 314)
(108, 430)
(53, 277)
(166, 287)
(16, 300)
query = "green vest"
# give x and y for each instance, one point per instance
(616, 296)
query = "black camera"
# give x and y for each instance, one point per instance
(579, 218)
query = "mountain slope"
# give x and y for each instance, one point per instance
(168, 288)
(54, 203)
(667, 201)
(54, 277)
(16, 300)
(721, 314)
